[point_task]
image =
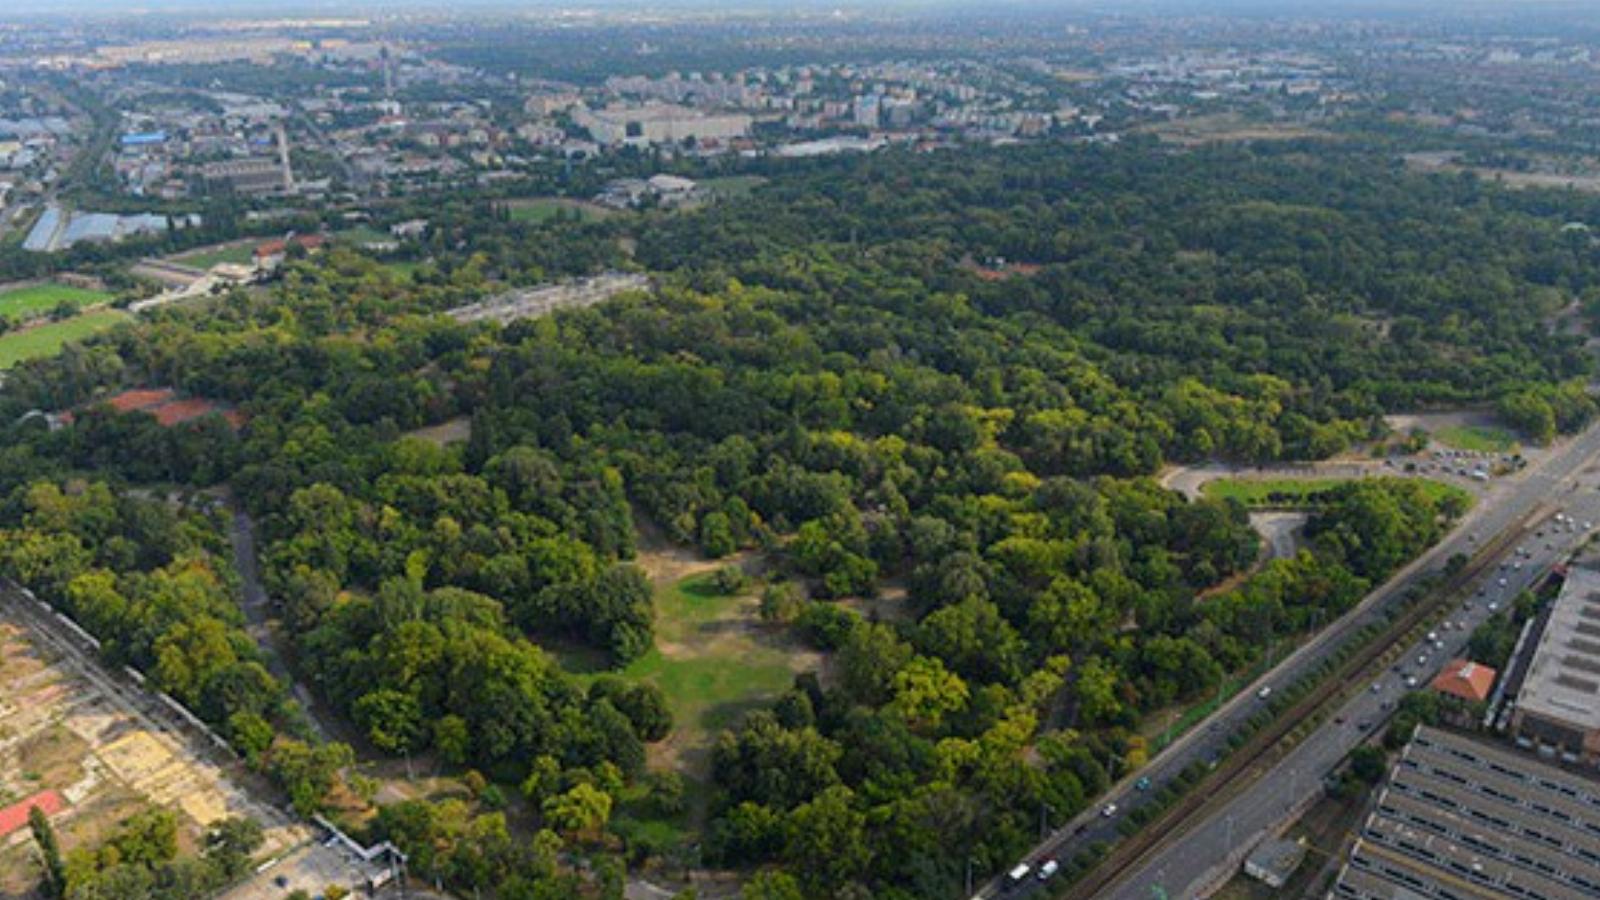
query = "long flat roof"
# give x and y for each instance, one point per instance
(1563, 681)
(1465, 819)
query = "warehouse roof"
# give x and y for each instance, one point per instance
(1563, 682)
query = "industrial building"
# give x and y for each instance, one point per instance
(1558, 707)
(658, 123)
(256, 175)
(1463, 819)
(58, 228)
(1273, 862)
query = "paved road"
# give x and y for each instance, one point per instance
(1184, 866)
(257, 613)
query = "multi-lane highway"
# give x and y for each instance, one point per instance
(1206, 852)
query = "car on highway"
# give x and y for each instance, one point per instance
(1109, 810)
(1264, 693)
(1017, 875)
(1411, 681)
(1494, 607)
(1142, 784)
(1048, 869)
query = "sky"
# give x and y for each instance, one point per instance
(1548, 8)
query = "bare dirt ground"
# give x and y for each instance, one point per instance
(666, 562)
(1434, 421)
(452, 431)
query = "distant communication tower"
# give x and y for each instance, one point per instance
(388, 73)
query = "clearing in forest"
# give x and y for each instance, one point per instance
(714, 659)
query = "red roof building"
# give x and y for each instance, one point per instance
(1465, 680)
(16, 815)
(279, 246)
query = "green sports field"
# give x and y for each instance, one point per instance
(48, 339)
(36, 300)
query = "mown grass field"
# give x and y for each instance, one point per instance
(37, 300)
(733, 186)
(47, 340)
(1291, 492)
(540, 210)
(1480, 438)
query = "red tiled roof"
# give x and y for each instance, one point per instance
(275, 247)
(1465, 679)
(16, 815)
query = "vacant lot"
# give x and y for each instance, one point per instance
(35, 300)
(539, 210)
(47, 339)
(61, 730)
(1296, 492)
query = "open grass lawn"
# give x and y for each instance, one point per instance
(1293, 492)
(714, 660)
(402, 268)
(48, 339)
(733, 186)
(238, 254)
(539, 210)
(1480, 438)
(36, 300)
(363, 234)
(713, 657)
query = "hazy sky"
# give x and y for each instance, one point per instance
(1555, 9)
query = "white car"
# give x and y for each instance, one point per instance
(1048, 869)
(1494, 607)
(1109, 810)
